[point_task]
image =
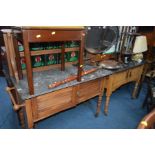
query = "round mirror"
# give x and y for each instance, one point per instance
(99, 39)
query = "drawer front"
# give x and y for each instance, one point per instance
(51, 103)
(119, 79)
(135, 73)
(88, 90)
(53, 35)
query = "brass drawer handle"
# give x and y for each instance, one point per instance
(38, 36)
(53, 33)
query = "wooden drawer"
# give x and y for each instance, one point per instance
(88, 90)
(53, 35)
(51, 103)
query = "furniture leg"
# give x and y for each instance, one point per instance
(108, 93)
(99, 104)
(134, 93)
(106, 104)
(21, 117)
(29, 114)
(146, 67)
(100, 99)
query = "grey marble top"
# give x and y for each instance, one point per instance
(43, 79)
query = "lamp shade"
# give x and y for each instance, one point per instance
(140, 44)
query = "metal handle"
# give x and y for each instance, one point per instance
(38, 36)
(53, 33)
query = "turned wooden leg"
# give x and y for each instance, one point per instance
(134, 93)
(106, 105)
(99, 105)
(102, 85)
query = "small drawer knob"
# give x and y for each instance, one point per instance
(83, 34)
(38, 36)
(53, 33)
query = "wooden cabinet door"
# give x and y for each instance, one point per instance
(88, 90)
(51, 103)
(135, 73)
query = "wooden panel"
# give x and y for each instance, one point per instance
(28, 108)
(88, 90)
(119, 79)
(135, 73)
(52, 103)
(52, 35)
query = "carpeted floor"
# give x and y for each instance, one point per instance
(124, 112)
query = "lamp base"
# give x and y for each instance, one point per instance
(137, 57)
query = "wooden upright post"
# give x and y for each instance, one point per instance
(17, 56)
(80, 63)
(63, 57)
(28, 62)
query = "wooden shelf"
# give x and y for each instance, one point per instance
(43, 52)
(43, 68)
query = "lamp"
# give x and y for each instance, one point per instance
(140, 46)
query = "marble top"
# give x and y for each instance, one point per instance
(42, 79)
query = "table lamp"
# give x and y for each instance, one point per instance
(140, 46)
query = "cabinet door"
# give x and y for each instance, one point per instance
(88, 90)
(51, 103)
(135, 73)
